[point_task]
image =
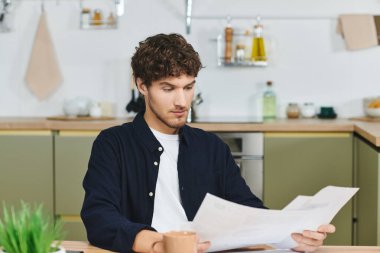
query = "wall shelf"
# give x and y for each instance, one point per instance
(238, 38)
(189, 17)
(242, 64)
(90, 20)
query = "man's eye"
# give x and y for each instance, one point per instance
(167, 89)
(189, 88)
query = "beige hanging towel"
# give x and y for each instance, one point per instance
(358, 30)
(43, 75)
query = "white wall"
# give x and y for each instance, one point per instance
(308, 59)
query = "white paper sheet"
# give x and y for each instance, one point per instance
(228, 225)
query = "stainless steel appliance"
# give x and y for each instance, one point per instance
(248, 152)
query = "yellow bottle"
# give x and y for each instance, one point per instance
(258, 47)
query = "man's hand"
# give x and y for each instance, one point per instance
(151, 242)
(158, 247)
(311, 240)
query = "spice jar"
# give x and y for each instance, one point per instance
(240, 53)
(111, 20)
(97, 18)
(85, 18)
(293, 111)
(308, 110)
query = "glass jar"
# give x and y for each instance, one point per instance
(308, 110)
(85, 18)
(240, 53)
(293, 111)
(97, 18)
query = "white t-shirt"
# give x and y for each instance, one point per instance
(168, 213)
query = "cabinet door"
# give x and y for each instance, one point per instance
(368, 197)
(72, 152)
(302, 164)
(26, 168)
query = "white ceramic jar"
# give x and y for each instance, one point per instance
(308, 110)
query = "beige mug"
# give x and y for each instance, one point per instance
(180, 242)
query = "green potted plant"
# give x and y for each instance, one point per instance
(29, 230)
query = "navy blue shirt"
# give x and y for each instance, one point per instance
(122, 173)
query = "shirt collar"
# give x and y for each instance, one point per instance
(142, 129)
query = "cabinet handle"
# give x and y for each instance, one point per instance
(70, 218)
(78, 133)
(25, 132)
(308, 135)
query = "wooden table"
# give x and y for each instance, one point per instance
(86, 248)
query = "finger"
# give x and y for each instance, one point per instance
(302, 240)
(327, 228)
(158, 247)
(314, 235)
(203, 246)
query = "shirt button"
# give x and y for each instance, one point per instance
(160, 149)
(155, 163)
(150, 194)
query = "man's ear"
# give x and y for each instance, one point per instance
(141, 86)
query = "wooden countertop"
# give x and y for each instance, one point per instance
(368, 130)
(86, 248)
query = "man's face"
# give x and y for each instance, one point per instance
(168, 102)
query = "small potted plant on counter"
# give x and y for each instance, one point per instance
(29, 230)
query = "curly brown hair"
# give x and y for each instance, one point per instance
(164, 55)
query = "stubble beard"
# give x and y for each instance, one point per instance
(166, 122)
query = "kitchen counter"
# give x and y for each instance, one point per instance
(369, 131)
(87, 248)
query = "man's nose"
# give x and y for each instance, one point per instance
(180, 99)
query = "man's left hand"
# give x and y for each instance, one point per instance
(310, 240)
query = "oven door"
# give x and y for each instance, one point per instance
(251, 169)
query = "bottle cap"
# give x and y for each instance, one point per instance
(86, 10)
(240, 46)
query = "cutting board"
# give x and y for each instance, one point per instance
(367, 119)
(82, 118)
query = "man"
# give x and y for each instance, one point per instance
(152, 174)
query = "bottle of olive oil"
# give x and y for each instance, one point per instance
(269, 102)
(258, 47)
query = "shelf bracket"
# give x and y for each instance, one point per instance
(189, 5)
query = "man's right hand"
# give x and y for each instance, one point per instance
(151, 242)
(158, 247)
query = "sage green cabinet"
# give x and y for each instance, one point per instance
(72, 152)
(26, 168)
(368, 197)
(302, 164)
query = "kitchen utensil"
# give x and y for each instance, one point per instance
(132, 105)
(140, 103)
(4, 10)
(192, 114)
